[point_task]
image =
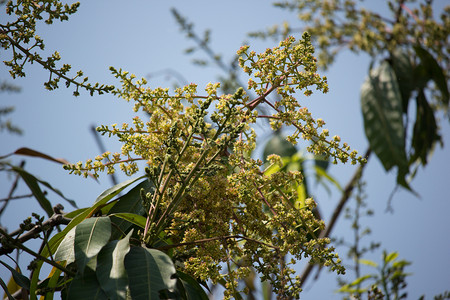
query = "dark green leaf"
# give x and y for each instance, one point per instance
(403, 68)
(48, 185)
(436, 72)
(86, 286)
(110, 269)
(190, 287)
(279, 146)
(131, 202)
(5, 288)
(84, 213)
(150, 272)
(32, 183)
(20, 279)
(425, 133)
(381, 105)
(90, 237)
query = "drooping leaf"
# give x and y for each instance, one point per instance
(5, 288)
(434, 71)
(189, 288)
(86, 286)
(32, 183)
(150, 272)
(403, 68)
(34, 180)
(20, 279)
(111, 273)
(425, 133)
(381, 105)
(90, 237)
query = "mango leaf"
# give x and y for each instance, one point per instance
(5, 288)
(368, 262)
(90, 237)
(32, 183)
(381, 105)
(278, 145)
(115, 190)
(425, 133)
(150, 272)
(403, 68)
(84, 213)
(435, 72)
(111, 273)
(66, 249)
(20, 279)
(132, 218)
(86, 286)
(31, 177)
(131, 202)
(189, 288)
(390, 257)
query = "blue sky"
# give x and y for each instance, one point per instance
(143, 37)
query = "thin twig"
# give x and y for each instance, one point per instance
(337, 211)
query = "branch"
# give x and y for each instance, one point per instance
(55, 220)
(337, 211)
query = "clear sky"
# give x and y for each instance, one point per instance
(143, 37)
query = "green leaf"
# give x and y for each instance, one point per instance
(390, 257)
(279, 146)
(66, 249)
(111, 273)
(434, 71)
(359, 280)
(381, 104)
(425, 133)
(132, 218)
(86, 286)
(150, 272)
(90, 237)
(131, 202)
(32, 183)
(368, 262)
(5, 288)
(48, 185)
(403, 68)
(20, 279)
(115, 190)
(84, 213)
(190, 287)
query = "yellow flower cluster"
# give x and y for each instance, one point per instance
(212, 203)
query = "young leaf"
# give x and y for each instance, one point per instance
(110, 269)
(149, 272)
(381, 105)
(90, 237)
